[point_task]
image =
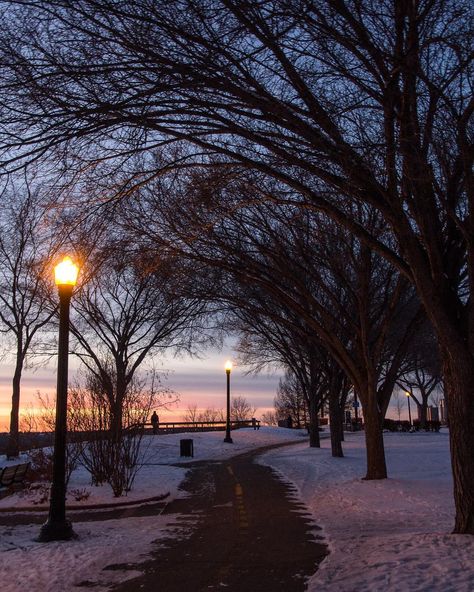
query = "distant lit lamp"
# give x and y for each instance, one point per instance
(228, 369)
(57, 527)
(409, 409)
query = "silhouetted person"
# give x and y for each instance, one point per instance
(289, 421)
(155, 420)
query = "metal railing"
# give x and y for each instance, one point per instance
(173, 427)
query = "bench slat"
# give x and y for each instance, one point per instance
(21, 473)
(8, 475)
(13, 474)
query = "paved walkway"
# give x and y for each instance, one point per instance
(245, 530)
(251, 534)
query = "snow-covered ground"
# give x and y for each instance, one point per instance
(383, 536)
(390, 535)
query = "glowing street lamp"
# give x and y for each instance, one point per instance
(409, 410)
(57, 527)
(228, 369)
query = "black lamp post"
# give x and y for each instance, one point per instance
(409, 409)
(57, 527)
(228, 368)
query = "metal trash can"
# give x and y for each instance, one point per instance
(186, 447)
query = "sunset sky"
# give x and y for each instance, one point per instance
(201, 382)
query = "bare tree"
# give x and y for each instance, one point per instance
(205, 415)
(399, 401)
(241, 409)
(211, 414)
(26, 252)
(272, 335)
(289, 401)
(115, 460)
(191, 413)
(423, 375)
(29, 420)
(126, 313)
(367, 101)
(305, 274)
(269, 418)
(46, 421)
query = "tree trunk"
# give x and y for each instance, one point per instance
(116, 422)
(459, 381)
(118, 402)
(298, 415)
(376, 467)
(314, 440)
(13, 446)
(423, 413)
(336, 425)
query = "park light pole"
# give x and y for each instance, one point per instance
(228, 369)
(409, 409)
(57, 527)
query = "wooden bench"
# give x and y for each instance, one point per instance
(12, 478)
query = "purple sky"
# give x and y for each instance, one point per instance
(201, 382)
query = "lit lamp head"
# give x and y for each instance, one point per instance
(407, 393)
(228, 366)
(65, 274)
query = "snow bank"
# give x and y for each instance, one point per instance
(388, 535)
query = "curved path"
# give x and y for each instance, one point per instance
(247, 532)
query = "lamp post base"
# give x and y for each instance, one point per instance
(228, 439)
(56, 531)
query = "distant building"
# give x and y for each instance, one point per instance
(443, 411)
(432, 413)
